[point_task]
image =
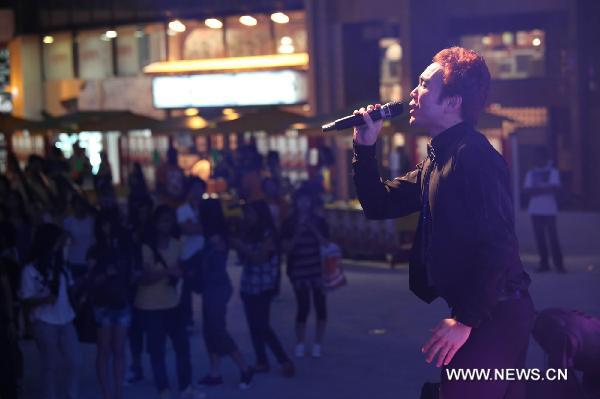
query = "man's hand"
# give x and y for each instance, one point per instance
(367, 133)
(448, 337)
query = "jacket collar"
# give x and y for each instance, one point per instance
(445, 141)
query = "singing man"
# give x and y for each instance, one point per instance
(465, 249)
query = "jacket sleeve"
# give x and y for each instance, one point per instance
(485, 186)
(384, 199)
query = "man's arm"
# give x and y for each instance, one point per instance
(379, 199)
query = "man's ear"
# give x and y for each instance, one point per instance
(454, 103)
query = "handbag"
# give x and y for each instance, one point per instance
(333, 273)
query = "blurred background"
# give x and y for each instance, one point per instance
(118, 102)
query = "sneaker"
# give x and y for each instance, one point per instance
(133, 377)
(288, 370)
(165, 394)
(192, 393)
(316, 351)
(246, 379)
(210, 381)
(299, 352)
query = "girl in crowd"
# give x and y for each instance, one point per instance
(140, 225)
(157, 298)
(303, 234)
(110, 280)
(216, 285)
(44, 285)
(258, 250)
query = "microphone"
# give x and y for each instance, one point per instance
(387, 111)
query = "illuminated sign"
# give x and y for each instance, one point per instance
(284, 87)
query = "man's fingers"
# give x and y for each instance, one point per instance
(435, 349)
(443, 353)
(432, 341)
(451, 354)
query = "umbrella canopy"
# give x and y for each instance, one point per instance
(270, 119)
(102, 121)
(197, 124)
(9, 123)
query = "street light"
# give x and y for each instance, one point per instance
(248, 20)
(280, 18)
(48, 39)
(213, 23)
(177, 26)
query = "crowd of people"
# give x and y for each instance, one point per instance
(122, 273)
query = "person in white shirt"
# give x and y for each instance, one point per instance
(80, 228)
(44, 285)
(541, 185)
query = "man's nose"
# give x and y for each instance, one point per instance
(413, 93)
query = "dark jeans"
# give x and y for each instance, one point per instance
(136, 340)
(498, 343)
(214, 312)
(543, 225)
(159, 324)
(258, 314)
(303, 303)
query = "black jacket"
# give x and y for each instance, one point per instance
(473, 256)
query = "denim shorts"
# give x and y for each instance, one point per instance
(113, 317)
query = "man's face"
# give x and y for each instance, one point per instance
(425, 108)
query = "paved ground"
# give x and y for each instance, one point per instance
(372, 346)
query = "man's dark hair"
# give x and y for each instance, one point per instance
(465, 74)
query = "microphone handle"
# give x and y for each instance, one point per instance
(352, 120)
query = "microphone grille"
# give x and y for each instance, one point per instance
(394, 108)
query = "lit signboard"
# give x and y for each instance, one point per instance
(284, 87)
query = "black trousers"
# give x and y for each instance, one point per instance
(258, 314)
(546, 226)
(303, 303)
(214, 316)
(160, 324)
(498, 343)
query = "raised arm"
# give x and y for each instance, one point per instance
(381, 199)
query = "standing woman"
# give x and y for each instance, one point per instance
(259, 252)
(157, 298)
(216, 286)
(303, 234)
(140, 227)
(110, 280)
(44, 285)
